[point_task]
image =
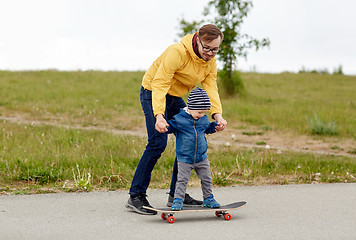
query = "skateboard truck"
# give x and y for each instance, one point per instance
(171, 219)
(227, 216)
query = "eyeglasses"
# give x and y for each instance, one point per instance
(206, 49)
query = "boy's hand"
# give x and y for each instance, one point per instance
(161, 124)
(220, 121)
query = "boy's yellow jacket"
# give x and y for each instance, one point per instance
(177, 71)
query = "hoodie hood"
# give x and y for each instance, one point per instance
(187, 41)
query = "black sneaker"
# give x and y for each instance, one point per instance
(136, 203)
(188, 201)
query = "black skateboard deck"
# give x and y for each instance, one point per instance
(167, 213)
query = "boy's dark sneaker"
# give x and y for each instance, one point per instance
(136, 203)
(187, 202)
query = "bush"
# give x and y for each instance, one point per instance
(338, 71)
(232, 84)
(319, 127)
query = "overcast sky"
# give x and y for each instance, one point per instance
(130, 35)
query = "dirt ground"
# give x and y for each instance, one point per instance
(233, 138)
(286, 142)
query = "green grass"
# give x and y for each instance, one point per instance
(278, 101)
(39, 159)
(33, 157)
(285, 102)
(85, 98)
(269, 166)
(50, 155)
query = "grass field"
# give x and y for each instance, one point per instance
(86, 98)
(276, 101)
(36, 158)
(286, 101)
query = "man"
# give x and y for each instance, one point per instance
(177, 71)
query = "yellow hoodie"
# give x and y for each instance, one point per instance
(177, 71)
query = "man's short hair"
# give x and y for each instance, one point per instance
(209, 32)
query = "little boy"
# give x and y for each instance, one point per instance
(190, 126)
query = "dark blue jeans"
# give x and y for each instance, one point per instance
(157, 143)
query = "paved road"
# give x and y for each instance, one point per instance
(325, 211)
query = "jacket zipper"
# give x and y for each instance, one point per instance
(196, 143)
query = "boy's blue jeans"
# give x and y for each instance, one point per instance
(157, 143)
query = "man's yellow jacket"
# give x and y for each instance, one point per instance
(177, 71)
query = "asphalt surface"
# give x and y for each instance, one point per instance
(321, 211)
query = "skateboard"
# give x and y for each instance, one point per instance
(167, 213)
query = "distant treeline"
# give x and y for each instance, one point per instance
(337, 70)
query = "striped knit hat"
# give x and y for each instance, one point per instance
(198, 100)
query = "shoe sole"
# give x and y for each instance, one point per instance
(211, 207)
(177, 209)
(132, 207)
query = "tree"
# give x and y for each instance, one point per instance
(228, 15)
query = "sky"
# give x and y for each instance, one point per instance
(122, 35)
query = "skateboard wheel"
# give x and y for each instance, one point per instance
(171, 219)
(227, 216)
(163, 216)
(218, 214)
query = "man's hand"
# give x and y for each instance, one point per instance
(220, 121)
(161, 124)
